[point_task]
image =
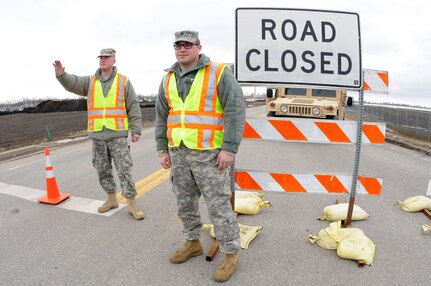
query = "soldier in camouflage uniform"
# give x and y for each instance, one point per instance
(200, 118)
(112, 108)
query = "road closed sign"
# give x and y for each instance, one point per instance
(298, 47)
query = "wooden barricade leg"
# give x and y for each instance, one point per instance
(360, 263)
(427, 213)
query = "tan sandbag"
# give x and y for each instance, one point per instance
(249, 206)
(348, 232)
(357, 247)
(324, 240)
(339, 212)
(246, 233)
(250, 194)
(329, 237)
(415, 204)
(426, 227)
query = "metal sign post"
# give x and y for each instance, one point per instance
(357, 157)
(375, 81)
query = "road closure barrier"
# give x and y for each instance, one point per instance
(376, 81)
(313, 131)
(305, 183)
(53, 195)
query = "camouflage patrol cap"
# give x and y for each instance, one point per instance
(186, 36)
(107, 53)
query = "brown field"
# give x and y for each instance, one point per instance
(25, 129)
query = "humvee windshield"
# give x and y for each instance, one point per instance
(324, 93)
(296, 91)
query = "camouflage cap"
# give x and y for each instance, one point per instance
(186, 36)
(107, 53)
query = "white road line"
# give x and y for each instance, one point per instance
(73, 203)
(16, 167)
(429, 189)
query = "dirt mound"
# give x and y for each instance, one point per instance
(60, 106)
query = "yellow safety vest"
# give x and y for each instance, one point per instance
(109, 111)
(199, 121)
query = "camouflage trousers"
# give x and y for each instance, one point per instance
(194, 172)
(114, 150)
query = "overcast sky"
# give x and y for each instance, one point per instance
(395, 36)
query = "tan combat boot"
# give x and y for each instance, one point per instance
(111, 203)
(228, 266)
(190, 248)
(133, 209)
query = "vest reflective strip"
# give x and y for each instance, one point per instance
(209, 93)
(205, 136)
(209, 97)
(90, 99)
(196, 120)
(120, 123)
(114, 112)
(167, 79)
(121, 91)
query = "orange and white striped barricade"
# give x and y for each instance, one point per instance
(305, 183)
(313, 131)
(376, 81)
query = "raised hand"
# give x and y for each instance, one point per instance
(58, 67)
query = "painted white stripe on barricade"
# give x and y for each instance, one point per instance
(73, 203)
(310, 183)
(309, 130)
(266, 130)
(376, 81)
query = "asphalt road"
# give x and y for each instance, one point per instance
(48, 245)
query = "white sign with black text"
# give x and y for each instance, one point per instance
(298, 47)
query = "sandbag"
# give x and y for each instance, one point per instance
(415, 204)
(246, 233)
(339, 212)
(250, 194)
(249, 206)
(324, 240)
(329, 237)
(426, 227)
(357, 247)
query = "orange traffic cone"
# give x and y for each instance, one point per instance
(53, 196)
